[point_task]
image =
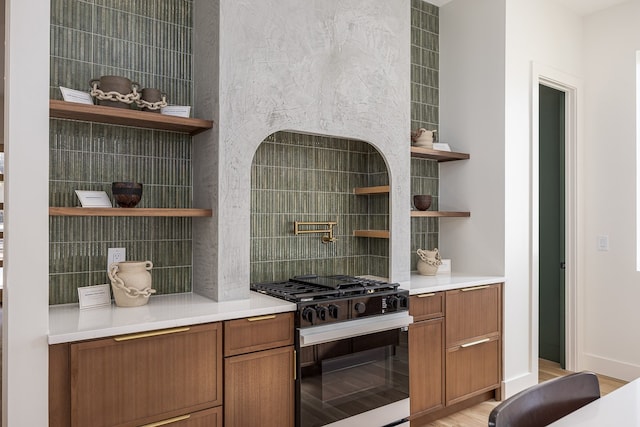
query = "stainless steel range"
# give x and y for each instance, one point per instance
(351, 341)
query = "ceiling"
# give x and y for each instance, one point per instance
(581, 7)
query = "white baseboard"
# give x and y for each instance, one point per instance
(611, 368)
(515, 385)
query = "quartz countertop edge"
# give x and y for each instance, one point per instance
(67, 323)
(445, 282)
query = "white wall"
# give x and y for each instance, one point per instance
(26, 285)
(612, 284)
(487, 50)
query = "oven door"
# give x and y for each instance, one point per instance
(354, 373)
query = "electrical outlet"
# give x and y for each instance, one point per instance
(116, 255)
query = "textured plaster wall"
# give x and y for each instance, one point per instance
(329, 67)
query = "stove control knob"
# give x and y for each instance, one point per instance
(322, 312)
(404, 301)
(308, 314)
(392, 302)
(334, 311)
(360, 307)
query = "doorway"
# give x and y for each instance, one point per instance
(551, 268)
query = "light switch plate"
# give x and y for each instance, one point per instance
(603, 243)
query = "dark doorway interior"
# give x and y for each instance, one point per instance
(552, 224)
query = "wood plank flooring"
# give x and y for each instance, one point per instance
(478, 416)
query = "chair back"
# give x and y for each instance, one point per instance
(546, 402)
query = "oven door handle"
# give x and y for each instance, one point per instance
(353, 328)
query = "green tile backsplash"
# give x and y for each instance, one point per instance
(294, 177)
(149, 42)
(297, 177)
(424, 114)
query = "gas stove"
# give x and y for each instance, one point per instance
(337, 298)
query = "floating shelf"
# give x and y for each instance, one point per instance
(363, 191)
(378, 234)
(441, 156)
(126, 117)
(78, 211)
(439, 214)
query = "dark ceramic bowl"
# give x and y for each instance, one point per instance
(126, 194)
(422, 201)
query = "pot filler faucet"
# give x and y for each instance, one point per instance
(328, 230)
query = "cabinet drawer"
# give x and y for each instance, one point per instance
(473, 313)
(472, 370)
(427, 306)
(207, 418)
(258, 333)
(137, 379)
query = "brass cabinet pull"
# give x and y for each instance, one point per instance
(150, 334)
(426, 295)
(267, 317)
(471, 344)
(475, 288)
(169, 421)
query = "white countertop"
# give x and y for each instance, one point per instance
(444, 282)
(618, 408)
(68, 323)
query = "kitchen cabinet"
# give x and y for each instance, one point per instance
(426, 353)
(455, 350)
(171, 375)
(259, 371)
(473, 341)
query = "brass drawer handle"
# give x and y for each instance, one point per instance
(169, 421)
(475, 288)
(256, 319)
(426, 295)
(471, 344)
(150, 334)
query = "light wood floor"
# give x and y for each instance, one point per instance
(478, 416)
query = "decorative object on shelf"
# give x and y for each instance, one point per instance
(422, 202)
(152, 100)
(423, 138)
(131, 282)
(428, 261)
(115, 91)
(177, 110)
(93, 199)
(126, 194)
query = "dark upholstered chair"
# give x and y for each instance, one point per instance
(546, 402)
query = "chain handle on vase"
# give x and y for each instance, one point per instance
(130, 292)
(436, 259)
(113, 95)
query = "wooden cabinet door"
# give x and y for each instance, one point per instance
(472, 314)
(259, 389)
(472, 368)
(142, 378)
(427, 306)
(426, 366)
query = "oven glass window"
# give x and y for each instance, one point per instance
(351, 376)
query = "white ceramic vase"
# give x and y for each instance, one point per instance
(131, 282)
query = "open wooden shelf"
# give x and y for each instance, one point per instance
(126, 117)
(378, 234)
(440, 214)
(441, 156)
(78, 211)
(363, 191)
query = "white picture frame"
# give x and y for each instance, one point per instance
(94, 296)
(77, 96)
(93, 199)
